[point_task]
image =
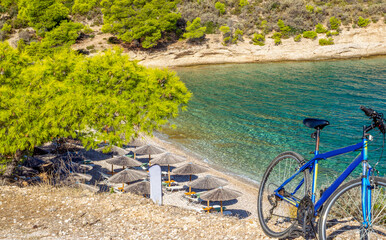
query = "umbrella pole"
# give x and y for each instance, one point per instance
(169, 175)
(190, 180)
(221, 207)
(123, 187)
(135, 155)
(208, 207)
(112, 169)
(149, 160)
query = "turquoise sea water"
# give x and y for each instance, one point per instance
(243, 115)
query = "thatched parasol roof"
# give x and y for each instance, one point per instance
(81, 176)
(165, 159)
(124, 161)
(142, 187)
(220, 194)
(137, 142)
(114, 150)
(149, 149)
(189, 169)
(128, 175)
(208, 182)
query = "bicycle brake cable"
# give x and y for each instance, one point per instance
(380, 157)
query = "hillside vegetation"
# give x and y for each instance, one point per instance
(148, 23)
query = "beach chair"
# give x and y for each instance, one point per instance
(175, 188)
(217, 208)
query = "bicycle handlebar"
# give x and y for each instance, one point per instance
(378, 120)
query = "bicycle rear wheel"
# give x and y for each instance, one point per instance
(342, 217)
(276, 216)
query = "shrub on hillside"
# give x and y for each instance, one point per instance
(284, 29)
(277, 38)
(324, 41)
(310, 34)
(363, 22)
(258, 39)
(194, 29)
(334, 23)
(143, 21)
(237, 36)
(65, 33)
(220, 7)
(83, 6)
(319, 28)
(243, 3)
(297, 38)
(226, 33)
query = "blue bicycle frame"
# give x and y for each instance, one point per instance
(312, 165)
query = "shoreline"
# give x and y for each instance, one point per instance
(349, 44)
(244, 206)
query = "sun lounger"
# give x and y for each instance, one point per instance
(192, 199)
(175, 188)
(217, 208)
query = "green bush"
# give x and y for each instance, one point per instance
(363, 22)
(318, 10)
(226, 33)
(238, 35)
(297, 38)
(324, 41)
(277, 37)
(210, 27)
(283, 28)
(220, 7)
(225, 29)
(144, 21)
(87, 29)
(310, 34)
(310, 8)
(243, 3)
(42, 15)
(334, 23)
(83, 6)
(226, 40)
(319, 28)
(264, 27)
(65, 33)
(6, 28)
(258, 39)
(194, 29)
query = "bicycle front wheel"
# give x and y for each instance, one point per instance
(277, 216)
(342, 216)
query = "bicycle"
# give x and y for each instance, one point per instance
(287, 205)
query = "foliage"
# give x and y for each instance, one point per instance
(87, 29)
(283, 28)
(277, 37)
(258, 39)
(225, 29)
(320, 28)
(264, 27)
(238, 35)
(333, 33)
(363, 22)
(310, 8)
(143, 20)
(324, 41)
(65, 33)
(210, 27)
(310, 34)
(297, 38)
(194, 29)
(335, 23)
(243, 3)
(83, 6)
(6, 28)
(68, 95)
(220, 7)
(42, 15)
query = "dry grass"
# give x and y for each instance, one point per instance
(67, 213)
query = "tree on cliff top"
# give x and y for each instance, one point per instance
(69, 95)
(194, 29)
(144, 20)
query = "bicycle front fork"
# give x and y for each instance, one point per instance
(366, 194)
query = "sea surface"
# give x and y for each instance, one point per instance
(243, 115)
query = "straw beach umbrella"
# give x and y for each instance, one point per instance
(167, 159)
(220, 194)
(137, 142)
(127, 175)
(123, 161)
(142, 187)
(208, 182)
(149, 149)
(116, 151)
(189, 169)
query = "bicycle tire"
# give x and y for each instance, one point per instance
(342, 214)
(280, 221)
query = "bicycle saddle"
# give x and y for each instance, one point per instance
(315, 123)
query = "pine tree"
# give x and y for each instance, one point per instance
(194, 29)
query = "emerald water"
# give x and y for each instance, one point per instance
(241, 116)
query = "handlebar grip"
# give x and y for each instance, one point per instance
(368, 111)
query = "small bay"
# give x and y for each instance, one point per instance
(242, 115)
